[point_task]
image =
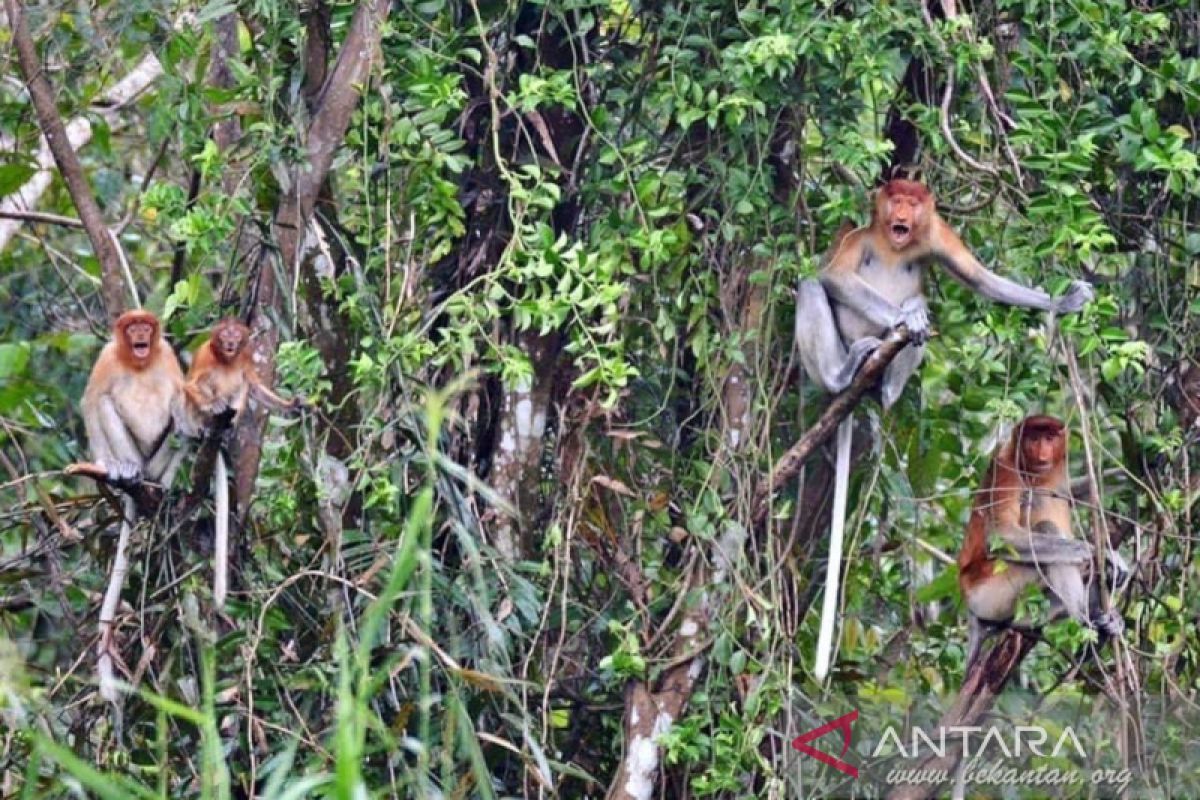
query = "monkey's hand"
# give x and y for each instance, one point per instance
(218, 406)
(915, 316)
(1118, 571)
(1078, 296)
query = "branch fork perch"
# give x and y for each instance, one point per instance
(839, 408)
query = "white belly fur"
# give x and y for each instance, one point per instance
(137, 397)
(895, 285)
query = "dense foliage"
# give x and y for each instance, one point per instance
(543, 313)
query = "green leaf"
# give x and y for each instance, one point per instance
(14, 176)
(14, 357)
(214, 10)
(943, 586)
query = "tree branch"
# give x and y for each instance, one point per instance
(839, 408)
(112, 285)
(339, 97)
(331, 118)
(41, 216)
(146, 496)
(982, 685)
(79, 133)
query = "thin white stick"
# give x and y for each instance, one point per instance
(221, 533)
(829, 605)
(112, 599)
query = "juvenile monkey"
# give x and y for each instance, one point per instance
(872, 281)
(222, 378)
(1025, 501)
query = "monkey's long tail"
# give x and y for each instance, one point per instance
(112, 599)
(221, 532)
(833, 567)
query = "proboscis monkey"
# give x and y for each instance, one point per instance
(222, 379)
(871, 282)
(1025, 503)
(132, 400)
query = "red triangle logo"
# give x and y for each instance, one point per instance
(842, 724)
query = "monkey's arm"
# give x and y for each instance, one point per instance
(1027, 547)
(961, 263)
(270, 399)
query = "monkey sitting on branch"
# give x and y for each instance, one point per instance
(132, 402)
(1025, 502)
(220, 384)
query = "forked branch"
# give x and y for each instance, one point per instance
(839, 408)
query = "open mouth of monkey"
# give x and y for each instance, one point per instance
(141, 349)
(900, 232)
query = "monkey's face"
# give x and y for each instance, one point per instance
(228, 341)
(1041, 451)
(139, 338)
(902, 216)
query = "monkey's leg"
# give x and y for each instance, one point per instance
(1076, 599)
(992, 603)
(898, 373)
(822, 353)
(1065, 581)
(165, 462)
(978, 632)
(124, 460)
(1116, 576)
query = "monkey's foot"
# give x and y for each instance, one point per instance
(122, 473)
(1110, 623)
(855, 356)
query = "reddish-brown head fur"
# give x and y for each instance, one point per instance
(228, 341)
(902, 211)
(1039, 445)
(137, 336)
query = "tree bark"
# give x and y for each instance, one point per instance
(331, 117)
(979, 691)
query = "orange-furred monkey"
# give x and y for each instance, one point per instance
(131, 401)
(133, 397)
(871, 282)
(222, 378)
(1025, 501)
